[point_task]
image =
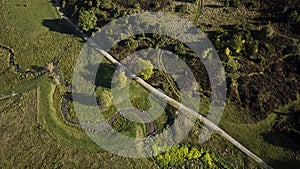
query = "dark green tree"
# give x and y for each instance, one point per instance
(146, 67)
(120, 80)
(104, 97)
(87, 20)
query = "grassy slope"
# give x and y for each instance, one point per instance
(250, 135)
(33, 43)
(27, 143)
(49, 118)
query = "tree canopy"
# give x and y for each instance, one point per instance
(146, 67)
(87, 20)
(104, 97)
(120, 80)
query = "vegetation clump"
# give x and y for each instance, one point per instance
(244, 43)
(87, 20)
(92, 14)
(104, 97)
(144, 68)
(120, 80)
(183, 155)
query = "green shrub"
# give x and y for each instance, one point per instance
(182, 154)
(104, 97)
(121, 79)
(102, 15)
(87, 20)
(207, 158)
(194, 153)
(146, 67)
(176, 156)
(131, 43)
(236, 43)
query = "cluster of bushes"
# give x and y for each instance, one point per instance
(92, 14)
(144, 4)
(244, 43)
(182, 155)
(144, 41)
(126, 127)
(103, 97)
(158, 78)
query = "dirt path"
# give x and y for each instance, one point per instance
(9, 96)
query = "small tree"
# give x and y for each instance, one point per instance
(194, 153)
(104, 97)
(120, 80)
(102, 15)
(87, 20)
(146, 67)
(237, 43)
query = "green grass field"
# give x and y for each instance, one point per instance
(250, 135)
(28, 141)
(34, 33)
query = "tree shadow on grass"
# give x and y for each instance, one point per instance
(285, 163)
(84, 99)
(59, 25)
(285, 132)
(103, 76)
(281, 139)
(54, 2)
